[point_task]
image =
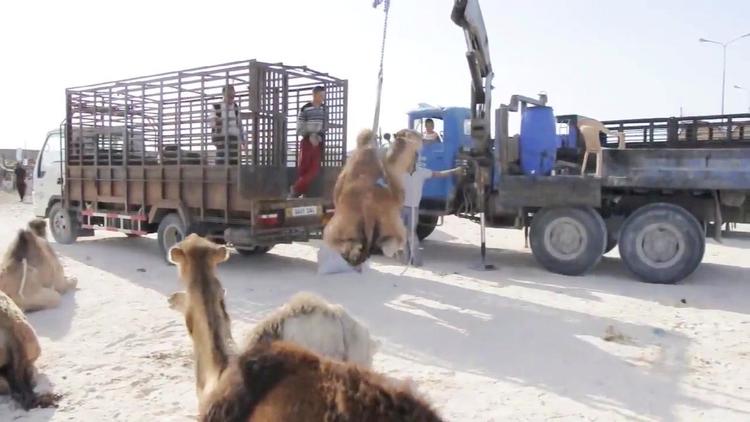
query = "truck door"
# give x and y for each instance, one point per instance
(48, 178)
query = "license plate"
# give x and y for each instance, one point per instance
(303, 211)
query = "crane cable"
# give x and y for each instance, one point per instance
(376, 118)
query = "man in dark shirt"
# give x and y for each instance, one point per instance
(20, 173)
(312, 123)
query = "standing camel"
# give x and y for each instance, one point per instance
(274, 381)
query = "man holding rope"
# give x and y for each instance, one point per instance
(413, 182)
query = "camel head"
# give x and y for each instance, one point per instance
(24, 246)
(402, 154)
(39, 227)
(202, 305)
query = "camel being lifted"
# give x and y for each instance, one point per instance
(31, 273)
(368, 197)
(273, 380)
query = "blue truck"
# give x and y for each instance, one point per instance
(580, 187)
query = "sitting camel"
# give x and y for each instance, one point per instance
(309, 321)
(368, 197)
(19, 349)
(31, 273)
(276, 380)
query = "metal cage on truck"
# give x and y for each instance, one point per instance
(140, 147)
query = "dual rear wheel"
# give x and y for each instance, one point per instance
(659, 243)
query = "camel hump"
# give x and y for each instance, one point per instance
(365, 138)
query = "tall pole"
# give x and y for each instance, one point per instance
(724, 46)
(724, 79)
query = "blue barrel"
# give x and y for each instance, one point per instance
(539, 141)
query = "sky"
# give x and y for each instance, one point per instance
(606, 59)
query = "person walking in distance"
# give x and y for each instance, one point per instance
(20, 173)
(312, 123)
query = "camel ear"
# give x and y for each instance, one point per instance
(221, 254)
(176, 255)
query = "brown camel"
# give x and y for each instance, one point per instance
(19, 349)
(27, 274)
(274, 380)
(368, 197)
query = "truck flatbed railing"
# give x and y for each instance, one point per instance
(166, 119)
(711, 131)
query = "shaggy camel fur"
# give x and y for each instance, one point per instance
(273, 381)
(309, 321)
(19, 349)
(368, 197)
(31, 274)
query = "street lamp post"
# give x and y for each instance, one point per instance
(724, 46)
(747, 91)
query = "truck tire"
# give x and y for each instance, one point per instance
(425, 226)
(63, 225)
(171, 231)
(568, 241)
(255, 250)
(662, 243)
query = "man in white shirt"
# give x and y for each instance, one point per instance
(413, 182)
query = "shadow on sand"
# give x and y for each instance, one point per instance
(469, 313)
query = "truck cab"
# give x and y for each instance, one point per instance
(48, 174)
(440, 195)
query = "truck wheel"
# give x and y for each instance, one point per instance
(255, 250)
(662, 243)
(171, 231)
(568, 241)
(63, 225)
(425, 226)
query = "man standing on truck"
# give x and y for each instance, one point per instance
(413, 183)
(20, 173)
(227, 127)
(312, 123)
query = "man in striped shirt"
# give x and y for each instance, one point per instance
(226, 133)
(312, 123)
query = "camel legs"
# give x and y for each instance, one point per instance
(4, 386)
(345, 236)
(66, 284)
(391, 232)
(44, 298)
